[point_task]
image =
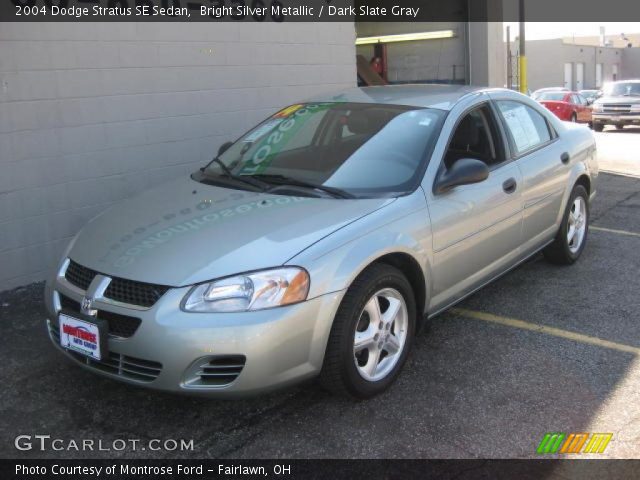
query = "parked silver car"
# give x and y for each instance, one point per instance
(318, 242)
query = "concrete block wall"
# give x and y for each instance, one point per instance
(92, 113)
(630, 63)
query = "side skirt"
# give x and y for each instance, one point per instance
(429, 316)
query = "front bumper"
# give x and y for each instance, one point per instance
(279, 346)
(615, 118)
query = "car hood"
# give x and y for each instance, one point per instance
(617, 100)
(185, 232)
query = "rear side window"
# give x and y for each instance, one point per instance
(527, 129)
(576, 99)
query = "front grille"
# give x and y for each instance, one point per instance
(135, 293)
(220, 370)
(69, 303)
(616, 108)
(78, 275)
(119, 289)
(119, 325)
(131, 368)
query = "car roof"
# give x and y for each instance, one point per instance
(443, 97)
(552, 89)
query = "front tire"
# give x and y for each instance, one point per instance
(598, 127)
(574, 117)
(619, 126)
(372, 334)
(572, 235)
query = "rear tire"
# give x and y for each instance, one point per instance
(572, 235)
(372, 334)
(574, 117)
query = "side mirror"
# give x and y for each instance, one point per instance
(463, 172)
(589, 101)
(224, 147)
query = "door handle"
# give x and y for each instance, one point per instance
(564, 158)
(509, 186)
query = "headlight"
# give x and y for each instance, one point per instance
(251, 291)
(597, 107)
(635, 107)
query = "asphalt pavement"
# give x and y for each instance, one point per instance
(543, 349)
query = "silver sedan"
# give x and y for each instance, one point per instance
(317, 243)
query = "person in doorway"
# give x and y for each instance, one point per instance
(376, 64)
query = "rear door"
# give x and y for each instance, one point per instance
(539, 154)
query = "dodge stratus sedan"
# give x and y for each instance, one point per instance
(317, 243)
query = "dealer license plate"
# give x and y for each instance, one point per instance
(80, 336)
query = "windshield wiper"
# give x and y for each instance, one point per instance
(221, 164)
(284, 180)
(262, 186)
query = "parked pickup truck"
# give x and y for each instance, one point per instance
(619, 105)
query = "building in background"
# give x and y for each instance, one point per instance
(578, 66)
(621, 40)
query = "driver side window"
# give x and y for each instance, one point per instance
(476, 136)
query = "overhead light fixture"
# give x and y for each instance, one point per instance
(406, 37)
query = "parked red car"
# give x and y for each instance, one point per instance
(569, 106)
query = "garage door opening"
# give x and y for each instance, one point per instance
(422, 52)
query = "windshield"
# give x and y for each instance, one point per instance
(622, 89)
(551, 96)
(363, 149)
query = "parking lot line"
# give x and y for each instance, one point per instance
(611, 230)
(618, 173)
(556, 332)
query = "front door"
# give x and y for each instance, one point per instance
(476, 228)
(576, 103)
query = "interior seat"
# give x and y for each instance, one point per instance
(470, 140)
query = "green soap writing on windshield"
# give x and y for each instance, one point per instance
(287, 123)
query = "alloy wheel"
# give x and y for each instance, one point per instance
(381, 334)
(577, 224)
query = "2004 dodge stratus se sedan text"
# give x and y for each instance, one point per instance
(316, 243)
